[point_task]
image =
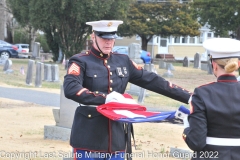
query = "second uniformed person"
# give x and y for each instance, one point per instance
(92, 76)
(213, 131)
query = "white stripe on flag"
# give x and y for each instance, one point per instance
(128, 114)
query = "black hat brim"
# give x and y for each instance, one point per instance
(106, 35)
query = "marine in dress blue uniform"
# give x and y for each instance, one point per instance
(213, 131)
(91, 77)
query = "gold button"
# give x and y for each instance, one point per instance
(89, 116)
(108, 66)
(86, 52)
(110, 73)
(105, 61)
(110, 89)
(111, 81)
(95, 75)
(96, 92)
(103, 94)
(101, 54)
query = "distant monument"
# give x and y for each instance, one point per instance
(36, 50)
(63, 117)
(134, 50)
(7, 66)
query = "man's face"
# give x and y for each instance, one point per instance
(105, 45)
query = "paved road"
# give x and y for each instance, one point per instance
(28, 95)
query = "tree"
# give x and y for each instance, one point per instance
(64, 21)
(149, 19)
(221, 15)
(20, 11)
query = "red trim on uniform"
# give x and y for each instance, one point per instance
(110, 136)
(136, 66)
(81, 91)
(176, 86)
(227, 81)
(206, 84)
(74, 152)
(89, 92)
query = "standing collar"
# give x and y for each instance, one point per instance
(227, 78)
(98, 54)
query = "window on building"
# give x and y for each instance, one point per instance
(177, 40)
(185, 39)
(209, 35)
(191, 39)
(163, 43)
(200, 39)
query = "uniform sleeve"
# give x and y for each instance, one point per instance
(155, 83)
(73, 85)
(195, 135)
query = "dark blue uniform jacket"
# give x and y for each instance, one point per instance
(91, 76)
(215, 113)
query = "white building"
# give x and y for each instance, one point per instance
(179, 47)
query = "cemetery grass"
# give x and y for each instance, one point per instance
(22, 123)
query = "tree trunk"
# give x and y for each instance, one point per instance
(238, 33)
(144, 43)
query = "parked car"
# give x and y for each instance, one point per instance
(145, 55)
(23, 50)
(8, 50)
(3, 43)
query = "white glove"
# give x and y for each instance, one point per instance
(185, 122)
(190, 99)
(114, 96)
(117, 97)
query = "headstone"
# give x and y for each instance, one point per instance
(36, 50)
(168, 74)
(42, 71)
(60, 55)
(7, 66)
(185, 62)
(209, 64)
(134, 90)
(3, 60)
(170, 67)
(47, 73)
(55, 73)
(29, 76)
(152, 68)
(204, 66)
(134, 50)
(38, 78)
(162, 64)
(66, 64)
(67, 110)
(63, 117)
(142, 91)
(141, 95)
(197, 61)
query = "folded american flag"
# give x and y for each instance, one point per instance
(135, 113)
